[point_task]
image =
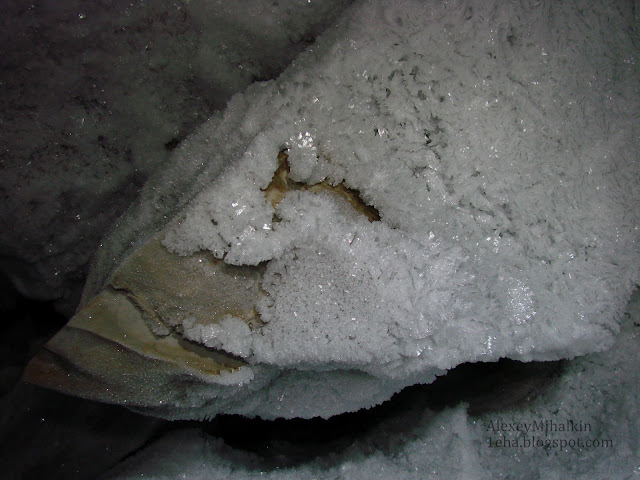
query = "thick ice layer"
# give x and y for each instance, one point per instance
(499, 147)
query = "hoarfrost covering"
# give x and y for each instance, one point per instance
(497, 145)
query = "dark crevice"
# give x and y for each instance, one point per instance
(281, 183)
(172, 144)
(26, 326)
(483, 387)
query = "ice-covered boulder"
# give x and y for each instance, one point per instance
(427, 185)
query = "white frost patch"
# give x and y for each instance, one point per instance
(498, 146)
(343, 291)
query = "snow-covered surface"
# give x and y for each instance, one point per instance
(498, 143)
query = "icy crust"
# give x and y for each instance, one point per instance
(501, 156)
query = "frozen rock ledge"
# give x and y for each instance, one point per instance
(406, 197)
